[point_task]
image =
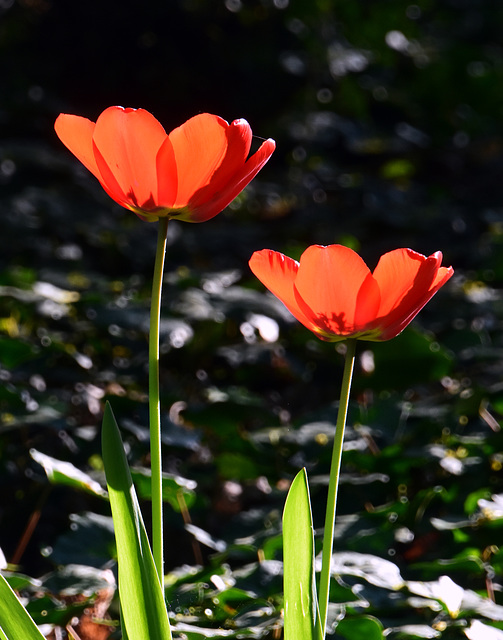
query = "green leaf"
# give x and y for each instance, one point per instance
(142, 602)
(62, 472)
(361, 628)
(175, 489)
(302, 620)
(15, 622)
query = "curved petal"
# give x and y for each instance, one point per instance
(167, 175)
(154, 175)
(128, 141)
(220, 199)
(443, 274)
(200, 145)
(239, 136)
(394, 326)
(368, 301)
(396, 273)
(327, 287)
(277, 272)
(110, 183)
(407, 280)
(76, 133)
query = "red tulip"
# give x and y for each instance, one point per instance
(335, 295)
(191, 174)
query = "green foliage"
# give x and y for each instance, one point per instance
(64, 473)
(360, 628)
(302, 618)
(142, 601)
(15, 622)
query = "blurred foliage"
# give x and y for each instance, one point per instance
(388, 122)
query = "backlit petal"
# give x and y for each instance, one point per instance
(278, 272)
(200, 145)
(228, 191)
(109, 181)
(76, 133)
(167, 175)
(443, 274)
(395, 324)
(407, 280)
(368, 301)
(239, 136)
(327, 286)
(190, 175)
(397, 272)
(128, 141)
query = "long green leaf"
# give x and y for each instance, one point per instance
(144, 611)
(15, 622)
(302, 618)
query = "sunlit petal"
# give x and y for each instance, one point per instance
(167, 175)
(332, 292)
(212, 205)
(368, 301)
(407, 280)
(128, 141)
(400, 271)
(239, 136)
(278, 272)
(191, 175)
(200, 145)
(327, 287)
(76, 133)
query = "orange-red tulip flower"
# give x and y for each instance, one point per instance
(335, 295)
(191, 174)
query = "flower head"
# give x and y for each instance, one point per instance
(335, 295)
(191, 174)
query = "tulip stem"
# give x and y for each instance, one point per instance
(328, 534)
(154, 402)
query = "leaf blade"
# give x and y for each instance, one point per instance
(142, 601)
(302, 620)
(15, 622)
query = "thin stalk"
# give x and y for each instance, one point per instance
(328, 534)
(154, 402)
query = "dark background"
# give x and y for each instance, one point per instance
(387, 117)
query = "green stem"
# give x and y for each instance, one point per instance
(328, 534)
(154, 402)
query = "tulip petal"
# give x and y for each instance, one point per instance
(109, 182)
(239, 137)
(327, 287)
(368, 301)
(200, 145)
(128, 141)
(76, 133)
(277, 272)
(407, 280)
(191, 175)
(167, 175)
(396, 273)
(396, 324)
(220, 199)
